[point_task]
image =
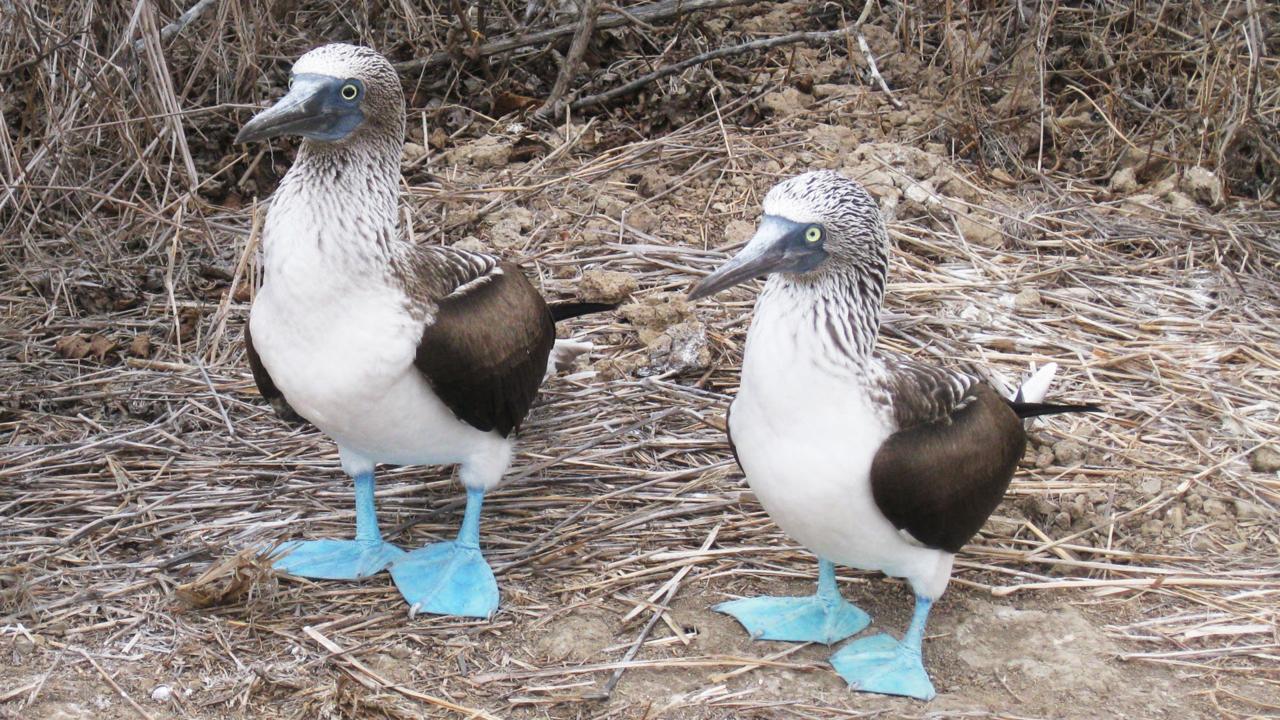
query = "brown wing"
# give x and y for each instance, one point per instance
(941, 478)
(485, 351)
(266, 386)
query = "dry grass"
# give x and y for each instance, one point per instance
(141, 472)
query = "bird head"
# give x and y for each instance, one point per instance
(337, 93)
(814, 225)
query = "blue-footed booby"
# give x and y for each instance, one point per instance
(403, 354)
(869, 459)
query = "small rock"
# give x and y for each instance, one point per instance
(1027, 299)
(1124, 182)
(1176, 519)
(140, 346)
(652, 182)
(1180, 200)
(1069, 452)
(1045, 458)
(787, 101)
(739, 230)
(413, 152)
(977, 229)
(1213, 507)
(680, 348)
(487, 152)
(471, 243)
(1194, 501)
(1248, 510)
(1062, 520)
(1152, 528)
(655, 313)
(1203, 185)
(1150, 487)
(826, 90)
(833, 137)
(509, 227)
(1265, 459)
(1037, 506)
(162, 693)
(606, 286)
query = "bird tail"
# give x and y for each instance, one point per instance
(564, 352)
(1029, 402)
(567, 310)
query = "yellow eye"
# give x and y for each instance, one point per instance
(813, 234)
(350, 91)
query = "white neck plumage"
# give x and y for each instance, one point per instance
(339, 202)
(839, 311)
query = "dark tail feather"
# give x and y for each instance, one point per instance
(1030, 410)
(567, 310)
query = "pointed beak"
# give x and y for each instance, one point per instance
(312, 109)
(777, 246)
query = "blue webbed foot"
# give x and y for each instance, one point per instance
(447, 578)
(450, 578)
(881, 664)
(336, 559)
(824, 617)
(796, 619)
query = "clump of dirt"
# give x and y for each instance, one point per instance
(675, 340)
(510, 227)
(606, 286)
(486, 152)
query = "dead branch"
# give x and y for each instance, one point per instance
(648, 13)
(588, 11)
(762, 44)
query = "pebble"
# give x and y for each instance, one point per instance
(162, 693)
(1213, 507)
(1265, 459)
(1150, 486)
(1069, 452)
(1248, 510)
(1027, 299)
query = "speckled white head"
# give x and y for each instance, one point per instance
(339, 95)
(816, 225)
(340, 60)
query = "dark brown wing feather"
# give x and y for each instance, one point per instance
(485, 352)
(941, 479)
(266, 386)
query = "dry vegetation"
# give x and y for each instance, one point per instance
(1092, 185)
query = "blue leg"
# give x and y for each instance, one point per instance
(344, 559)
(824, 617)
(450, 578)
(880, 664)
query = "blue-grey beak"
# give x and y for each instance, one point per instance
(779, 245)
(314, 108)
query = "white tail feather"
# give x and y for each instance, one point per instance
(1035, 388)
(563, 353)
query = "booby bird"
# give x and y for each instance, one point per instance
(401, 353)
(869, 459)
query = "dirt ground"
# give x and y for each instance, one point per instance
(1132, 572)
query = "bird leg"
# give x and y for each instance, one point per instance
(823, 617)
(450, 578)
(880, 664)
(366, 555)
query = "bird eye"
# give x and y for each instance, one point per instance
(813, 234)
(290, 82)
(350, 91)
